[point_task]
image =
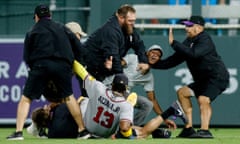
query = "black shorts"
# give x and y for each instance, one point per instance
(208, 88)
(57, 71)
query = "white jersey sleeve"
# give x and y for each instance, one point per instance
(92, 86)
(127, 112)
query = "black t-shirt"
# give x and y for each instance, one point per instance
(62, 124)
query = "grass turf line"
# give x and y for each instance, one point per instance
(221, 136)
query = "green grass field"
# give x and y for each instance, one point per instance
(222, 136)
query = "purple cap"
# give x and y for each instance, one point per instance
(194, 20)
(188, 23)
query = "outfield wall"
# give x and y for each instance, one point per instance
(226, 108)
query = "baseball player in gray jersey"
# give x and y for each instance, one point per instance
(108, 111)
(106, 107)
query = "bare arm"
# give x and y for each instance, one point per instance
(156, 106)
(158, 110)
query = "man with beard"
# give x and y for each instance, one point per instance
(111, 42)
(114, 39)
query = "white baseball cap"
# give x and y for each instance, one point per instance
(155, 47)
(75, 28)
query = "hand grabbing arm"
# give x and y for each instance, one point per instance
(108, 63)
(143, 67)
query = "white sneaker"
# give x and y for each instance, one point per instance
(32, 129)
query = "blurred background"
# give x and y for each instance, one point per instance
(154, 19)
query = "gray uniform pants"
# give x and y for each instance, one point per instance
(142, 109)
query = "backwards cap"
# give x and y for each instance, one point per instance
(75, 28)
(42, 11)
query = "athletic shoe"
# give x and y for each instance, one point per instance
(42, 133)
(32, 129)
(84, 134)
(95, 137)
(16, 136)
(187, 133)
(203, 134)
(161, 133)
(179, 111)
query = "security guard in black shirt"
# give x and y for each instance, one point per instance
(49, 50)
(209, 74)
(110, 41)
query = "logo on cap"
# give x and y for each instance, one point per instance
(120, 79)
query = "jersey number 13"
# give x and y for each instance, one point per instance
(108, 119)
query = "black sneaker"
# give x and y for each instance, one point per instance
(161, 133)
(16, 136)
(204, 134)
(84, 134)
(187, 133)
(42, 133)
(179, 111)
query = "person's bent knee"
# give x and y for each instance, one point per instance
(204, 100)
(184, 92)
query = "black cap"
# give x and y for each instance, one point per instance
(120, 79)
(42, 11)
(194, 20)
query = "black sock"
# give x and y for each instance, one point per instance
(167, 113)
